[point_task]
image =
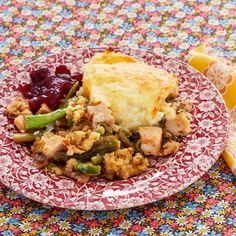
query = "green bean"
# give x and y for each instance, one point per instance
(23, 138)
(72, 91)
(61, 157)
(106, 128)
(70, 94)
(100, 129)
(167, 137)
(88, 168)
(101, 148)
(124, 138)
(127, 143)
(40, 121)
(97, 160)
(137, 146)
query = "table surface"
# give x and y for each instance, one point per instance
(30, 29)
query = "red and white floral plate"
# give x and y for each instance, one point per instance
(200, 149)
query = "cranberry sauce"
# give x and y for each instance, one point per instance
(49, 88)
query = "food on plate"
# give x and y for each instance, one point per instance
(107, 121)
(125, 84)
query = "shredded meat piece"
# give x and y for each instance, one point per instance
(179, 126)
(19, 106)
(101, 114)
(122, 164)
(45, 148)
(52, 145)
(151, 138)
(170, 148)
(78, 142)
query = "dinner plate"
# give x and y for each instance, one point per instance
(168, 175)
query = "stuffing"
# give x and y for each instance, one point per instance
(88, 143)
(37, 146)
(123, 164)
(70, 166)
(76, 109)
(124, 111)
(72, 142)
(82, 127)
(170, 147)
(19, 106)
(56, 170)
(151, 138)
(78, 142)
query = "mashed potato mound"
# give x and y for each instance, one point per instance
(134, 91)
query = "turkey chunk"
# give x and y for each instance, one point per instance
(101, 114)
(178, 125)
(52, 145)
(151, 138)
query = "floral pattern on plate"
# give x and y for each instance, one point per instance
(167, 176)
